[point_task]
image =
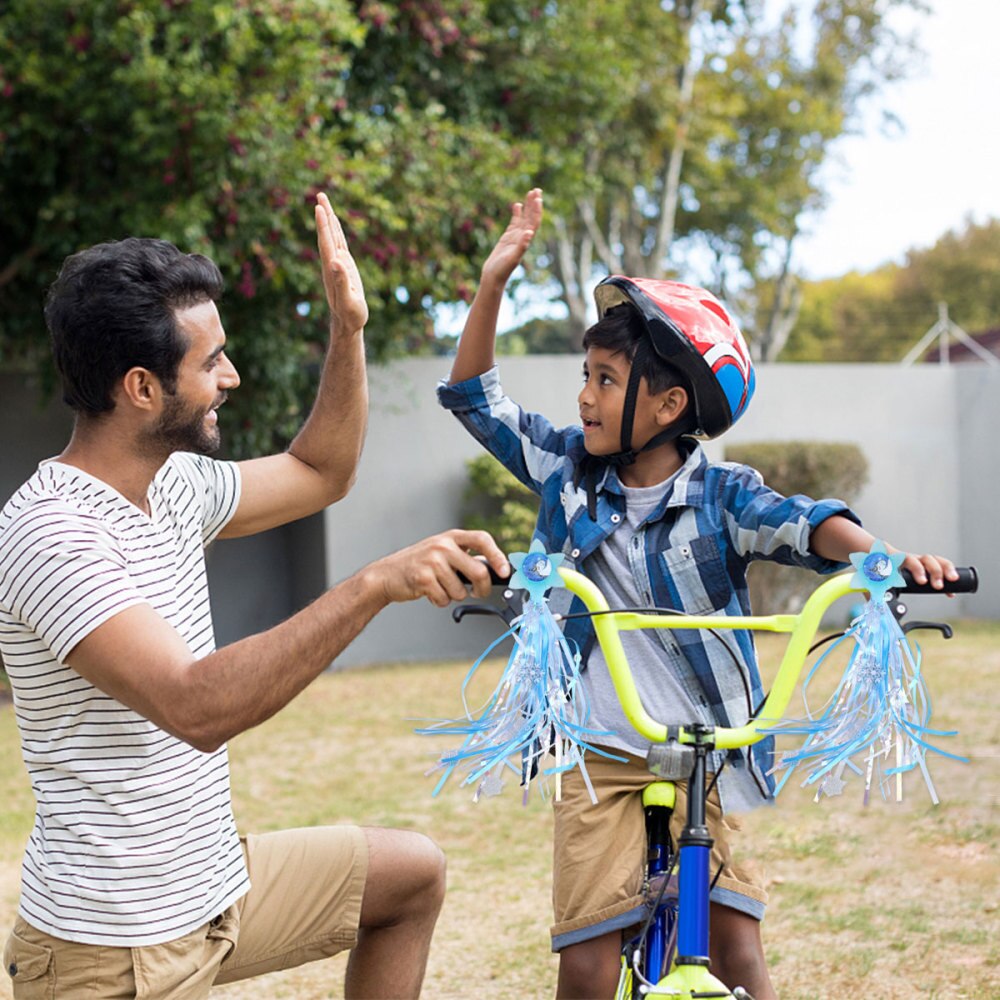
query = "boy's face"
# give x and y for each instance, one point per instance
(602, 400)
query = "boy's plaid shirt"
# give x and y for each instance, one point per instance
(691, 553)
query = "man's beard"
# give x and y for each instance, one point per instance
(182, 428)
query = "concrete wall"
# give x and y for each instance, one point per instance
(977, 436)
(931, 435)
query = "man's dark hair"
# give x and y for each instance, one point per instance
(620, 330)
(112, 309)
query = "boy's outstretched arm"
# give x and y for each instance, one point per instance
(475, 346)
(837, 537)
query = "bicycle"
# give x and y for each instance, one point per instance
(669, 954)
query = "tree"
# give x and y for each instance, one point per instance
(672, 128)
(656, 126)
(880, 315)
(961, 270)
(215, 125)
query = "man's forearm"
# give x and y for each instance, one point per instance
(242, 684)
(332, 437)
(140, 659)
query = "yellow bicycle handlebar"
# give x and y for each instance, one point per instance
(801, 629)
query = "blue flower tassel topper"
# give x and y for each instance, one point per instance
(537, 708)
(876, 723)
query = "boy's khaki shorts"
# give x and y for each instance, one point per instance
(304, 904)
(599, 853)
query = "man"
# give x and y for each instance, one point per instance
(135, 883)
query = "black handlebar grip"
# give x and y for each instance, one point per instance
(967, 583)
(495, 578)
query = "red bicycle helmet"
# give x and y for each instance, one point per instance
(689, 328)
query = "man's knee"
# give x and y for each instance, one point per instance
(430, 866)
(406, 875)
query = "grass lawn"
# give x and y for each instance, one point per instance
(889, 901)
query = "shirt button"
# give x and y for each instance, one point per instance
(575, 553)
(615, 518)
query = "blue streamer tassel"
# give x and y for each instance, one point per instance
(876, 724)
(538, 708)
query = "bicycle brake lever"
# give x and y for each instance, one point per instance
(459, 612)
(941, 627)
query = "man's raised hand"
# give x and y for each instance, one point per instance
(345, 293)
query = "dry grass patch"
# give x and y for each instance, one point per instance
(887, 902)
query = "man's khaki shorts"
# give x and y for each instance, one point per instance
(304, 904)
(599, 853)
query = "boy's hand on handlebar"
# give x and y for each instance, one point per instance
(431, 568)
(525, 218)
(930, 568)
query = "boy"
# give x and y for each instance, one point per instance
(635, 505)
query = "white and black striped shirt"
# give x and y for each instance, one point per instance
(134, 840)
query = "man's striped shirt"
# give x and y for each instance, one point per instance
(134, 840)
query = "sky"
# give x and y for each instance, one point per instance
(891, 194)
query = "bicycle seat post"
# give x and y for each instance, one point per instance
(695, 850)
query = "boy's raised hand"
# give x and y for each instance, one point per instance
(345, 294)
(525, 218)
(475, 354)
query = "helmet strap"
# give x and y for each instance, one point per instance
(640, 361)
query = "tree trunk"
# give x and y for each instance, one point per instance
(671, 177)
(784, 310)
(573, 261)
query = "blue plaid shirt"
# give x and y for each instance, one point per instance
(696, 544)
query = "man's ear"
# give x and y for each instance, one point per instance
(673, 405)
(141, 389)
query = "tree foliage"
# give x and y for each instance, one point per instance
(673, 128)
(652, 125)
(879, 316)
(215, 125)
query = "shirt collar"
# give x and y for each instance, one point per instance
(687, 488)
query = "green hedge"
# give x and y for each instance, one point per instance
(495, 501)
(816, 468)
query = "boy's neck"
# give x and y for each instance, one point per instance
(653, 466)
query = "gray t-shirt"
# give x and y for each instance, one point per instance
(618, 569)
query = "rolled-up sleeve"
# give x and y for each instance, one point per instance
(525, 443)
